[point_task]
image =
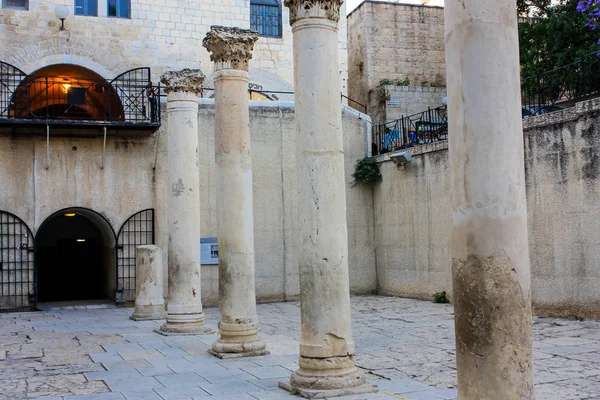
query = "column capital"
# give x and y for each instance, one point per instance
(231, 48)
(301, 9)
(185, 80)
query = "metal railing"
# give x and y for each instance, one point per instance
(129, 99)
(275, 95)
(422, 128)
(352, 103)
(561, 87)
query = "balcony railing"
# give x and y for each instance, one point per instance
(129, 101)
(561, 87)
(422, 128)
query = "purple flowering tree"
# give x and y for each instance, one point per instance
(591, 8)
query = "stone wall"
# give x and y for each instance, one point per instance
(397, 42)
(275, 200)
(412, 99)
(160, 34)
(134, 178)
(413, 219)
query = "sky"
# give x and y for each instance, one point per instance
(351, 4)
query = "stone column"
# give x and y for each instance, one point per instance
(326, 347)
(149, 301)
(231, 50)
(489, 248)
(184, 307)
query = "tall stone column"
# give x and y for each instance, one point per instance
(326, 347)
(184, 307)
(489, 248)
(231, 50)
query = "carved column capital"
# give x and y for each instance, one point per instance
(231, 48)
(301, 9)
(186, 80)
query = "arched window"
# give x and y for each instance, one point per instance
(265, 17)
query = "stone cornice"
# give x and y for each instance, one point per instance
(186, 80)
(230, 48)
(300, 9)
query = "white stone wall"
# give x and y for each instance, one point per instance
(161, 34)
(134, 178)
(413, 219)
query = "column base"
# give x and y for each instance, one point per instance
(325, 394)
(149, 313)
(170, 329)
(184, 324)
(228, 356)
(238, 349)
(319, 378)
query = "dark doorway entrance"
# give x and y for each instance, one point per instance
(75, 257)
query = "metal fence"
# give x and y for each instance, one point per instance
(128, 99)
(422, 128)
(561, 87)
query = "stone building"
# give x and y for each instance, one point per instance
(110, 37)
(396, 63)
(83, 144)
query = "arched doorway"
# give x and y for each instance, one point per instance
(75, 257)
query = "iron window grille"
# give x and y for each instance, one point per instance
(265, 17)
(119, 8)
(138, 230)
(17, 4)
(17, 264)
(86, 7)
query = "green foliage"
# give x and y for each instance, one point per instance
(384, 95)
(397, 82)
(441, 297)
(367, 172)
(553, 35)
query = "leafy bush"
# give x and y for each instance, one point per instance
(441, 297)
(367, 172)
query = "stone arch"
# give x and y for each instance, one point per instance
(58, 51)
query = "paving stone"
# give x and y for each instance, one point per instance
(113, 374)
(431, 394)
(268, 372)
(131, 364)
(567, 350)
(180, 380)
(140, 354)
(97, 396)
(226, 375)
(182, 393)
(106, 357)
(406, 347)
(231, 387)
(116, 385)
(156, 371)
(116, 347)
(140, 394)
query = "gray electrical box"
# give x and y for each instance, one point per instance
(209, 251)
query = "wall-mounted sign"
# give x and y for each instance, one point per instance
(394, 102)
(209, 251)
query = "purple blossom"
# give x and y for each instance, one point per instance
(591, 8)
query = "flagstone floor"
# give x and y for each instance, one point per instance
(404, 346)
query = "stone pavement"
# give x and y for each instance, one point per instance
(405, 346)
